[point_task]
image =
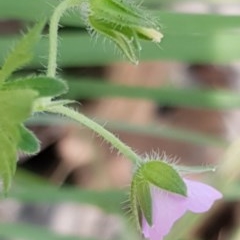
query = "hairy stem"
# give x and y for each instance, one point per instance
(53, 33)
(108, 136)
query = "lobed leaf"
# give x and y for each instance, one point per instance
(45, 86)
(7, 160)
(28, 142)
(15, 107)
(21, 54)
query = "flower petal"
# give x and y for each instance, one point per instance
(200, 196)
(167, 208)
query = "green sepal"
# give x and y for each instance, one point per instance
(134, 205)
(195, 169)
(123, 39)
(45, 86)
(121, 13)
(164, 176)
(15, 107)
(144, 198)
(28, 142)
(21, 53)
(124, 23)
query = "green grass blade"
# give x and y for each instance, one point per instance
(31, 232)
(168, 132)
(215, 48)
(193, 98)
(187, 37)
(172, 22)
(25, 184)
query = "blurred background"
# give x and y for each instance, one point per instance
(182, 101)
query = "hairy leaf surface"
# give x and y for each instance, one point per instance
(45, 86)
(22, 52)
(15, 107)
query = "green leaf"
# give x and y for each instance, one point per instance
(7, 160)
(144, 198)
(162, 175)
(21, 54)
(45, 86)
(28, 141)
(195, 169)
(31, 232)
(15, 107)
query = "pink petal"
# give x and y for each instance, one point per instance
(200, 196)
(167, 208)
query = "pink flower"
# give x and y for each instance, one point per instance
(169, 207)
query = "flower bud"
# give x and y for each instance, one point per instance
(122, 22)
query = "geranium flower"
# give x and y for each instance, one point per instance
(168, 207)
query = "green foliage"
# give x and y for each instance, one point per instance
(22, 52)
(28, 142)
(16, 102)
(45, 86)
(15, 107)
(17, 98)
(8, 160)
